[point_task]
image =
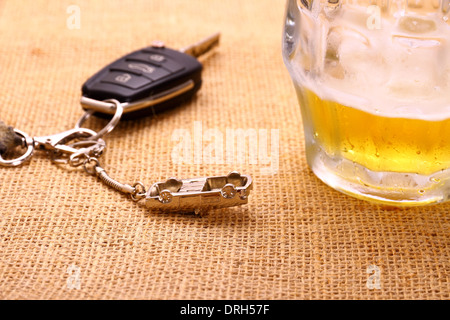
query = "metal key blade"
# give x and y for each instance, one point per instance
(202, 47)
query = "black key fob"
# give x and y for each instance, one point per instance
(147, 81)
(146, 75)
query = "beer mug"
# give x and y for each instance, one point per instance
(373, 83)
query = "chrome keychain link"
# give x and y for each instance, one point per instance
(57, 146)
(136, 191)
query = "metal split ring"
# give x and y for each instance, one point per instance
(29, 143)
(110, 126)
(136, 195)
(89, 160)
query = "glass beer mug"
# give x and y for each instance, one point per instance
(373, 83)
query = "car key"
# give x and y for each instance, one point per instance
(147, 81)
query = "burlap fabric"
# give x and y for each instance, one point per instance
(296, 239)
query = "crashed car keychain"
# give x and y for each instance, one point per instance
(143, 82)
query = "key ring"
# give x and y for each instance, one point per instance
(28, 143)
(110, 126)
(56, 144)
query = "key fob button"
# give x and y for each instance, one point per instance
(126, 79)
(156, 58)
(145, 69)
(153, 58)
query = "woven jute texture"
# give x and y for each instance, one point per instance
(296, 239)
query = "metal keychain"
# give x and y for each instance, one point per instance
(83, 147)
(187, 195)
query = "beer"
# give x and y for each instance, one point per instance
(373, 84)
(378, 142)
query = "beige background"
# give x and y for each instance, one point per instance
(296, 239)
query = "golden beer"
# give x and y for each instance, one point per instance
(373, 82)
(377, 142)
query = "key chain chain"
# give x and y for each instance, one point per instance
(148, 80)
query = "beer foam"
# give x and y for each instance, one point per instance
(398, 68)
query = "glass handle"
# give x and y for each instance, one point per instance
(290, 36)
